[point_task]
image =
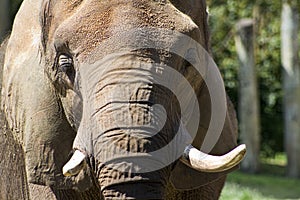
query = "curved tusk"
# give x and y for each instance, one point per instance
(208, 163)
(75, 164)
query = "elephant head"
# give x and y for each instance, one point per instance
(96, 78)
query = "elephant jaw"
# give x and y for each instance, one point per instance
(75, 164)
(192, 157)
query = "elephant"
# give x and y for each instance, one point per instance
(80, 98)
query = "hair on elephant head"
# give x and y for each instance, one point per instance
(121, 85)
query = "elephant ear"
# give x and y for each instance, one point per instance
(186, 178)
(32, 108)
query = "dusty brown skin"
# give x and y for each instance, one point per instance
(38, 99)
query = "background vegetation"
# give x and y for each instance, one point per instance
(224, 14)
(271, 181)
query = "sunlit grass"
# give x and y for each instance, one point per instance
(279, 159)
(269, 184)
(234, 191)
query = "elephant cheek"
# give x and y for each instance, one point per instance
(47, 146)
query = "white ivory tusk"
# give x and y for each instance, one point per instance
(209, 163)
(75, 164)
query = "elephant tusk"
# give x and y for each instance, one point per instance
(75, 164)
(208, 163)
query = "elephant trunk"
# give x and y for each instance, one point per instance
(124, 120)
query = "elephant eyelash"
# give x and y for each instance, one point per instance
(65, 62)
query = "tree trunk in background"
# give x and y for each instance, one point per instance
(4, 18)
(248, 95)
(291, 86)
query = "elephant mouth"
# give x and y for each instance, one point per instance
(191, 156)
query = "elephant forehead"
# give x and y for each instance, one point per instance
(85, 30)
(95, 21)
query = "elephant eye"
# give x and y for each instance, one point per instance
(65, 72)
(65, 62)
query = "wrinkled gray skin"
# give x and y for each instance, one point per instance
(44, 103)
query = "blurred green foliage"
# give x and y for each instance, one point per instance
(224, 14)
